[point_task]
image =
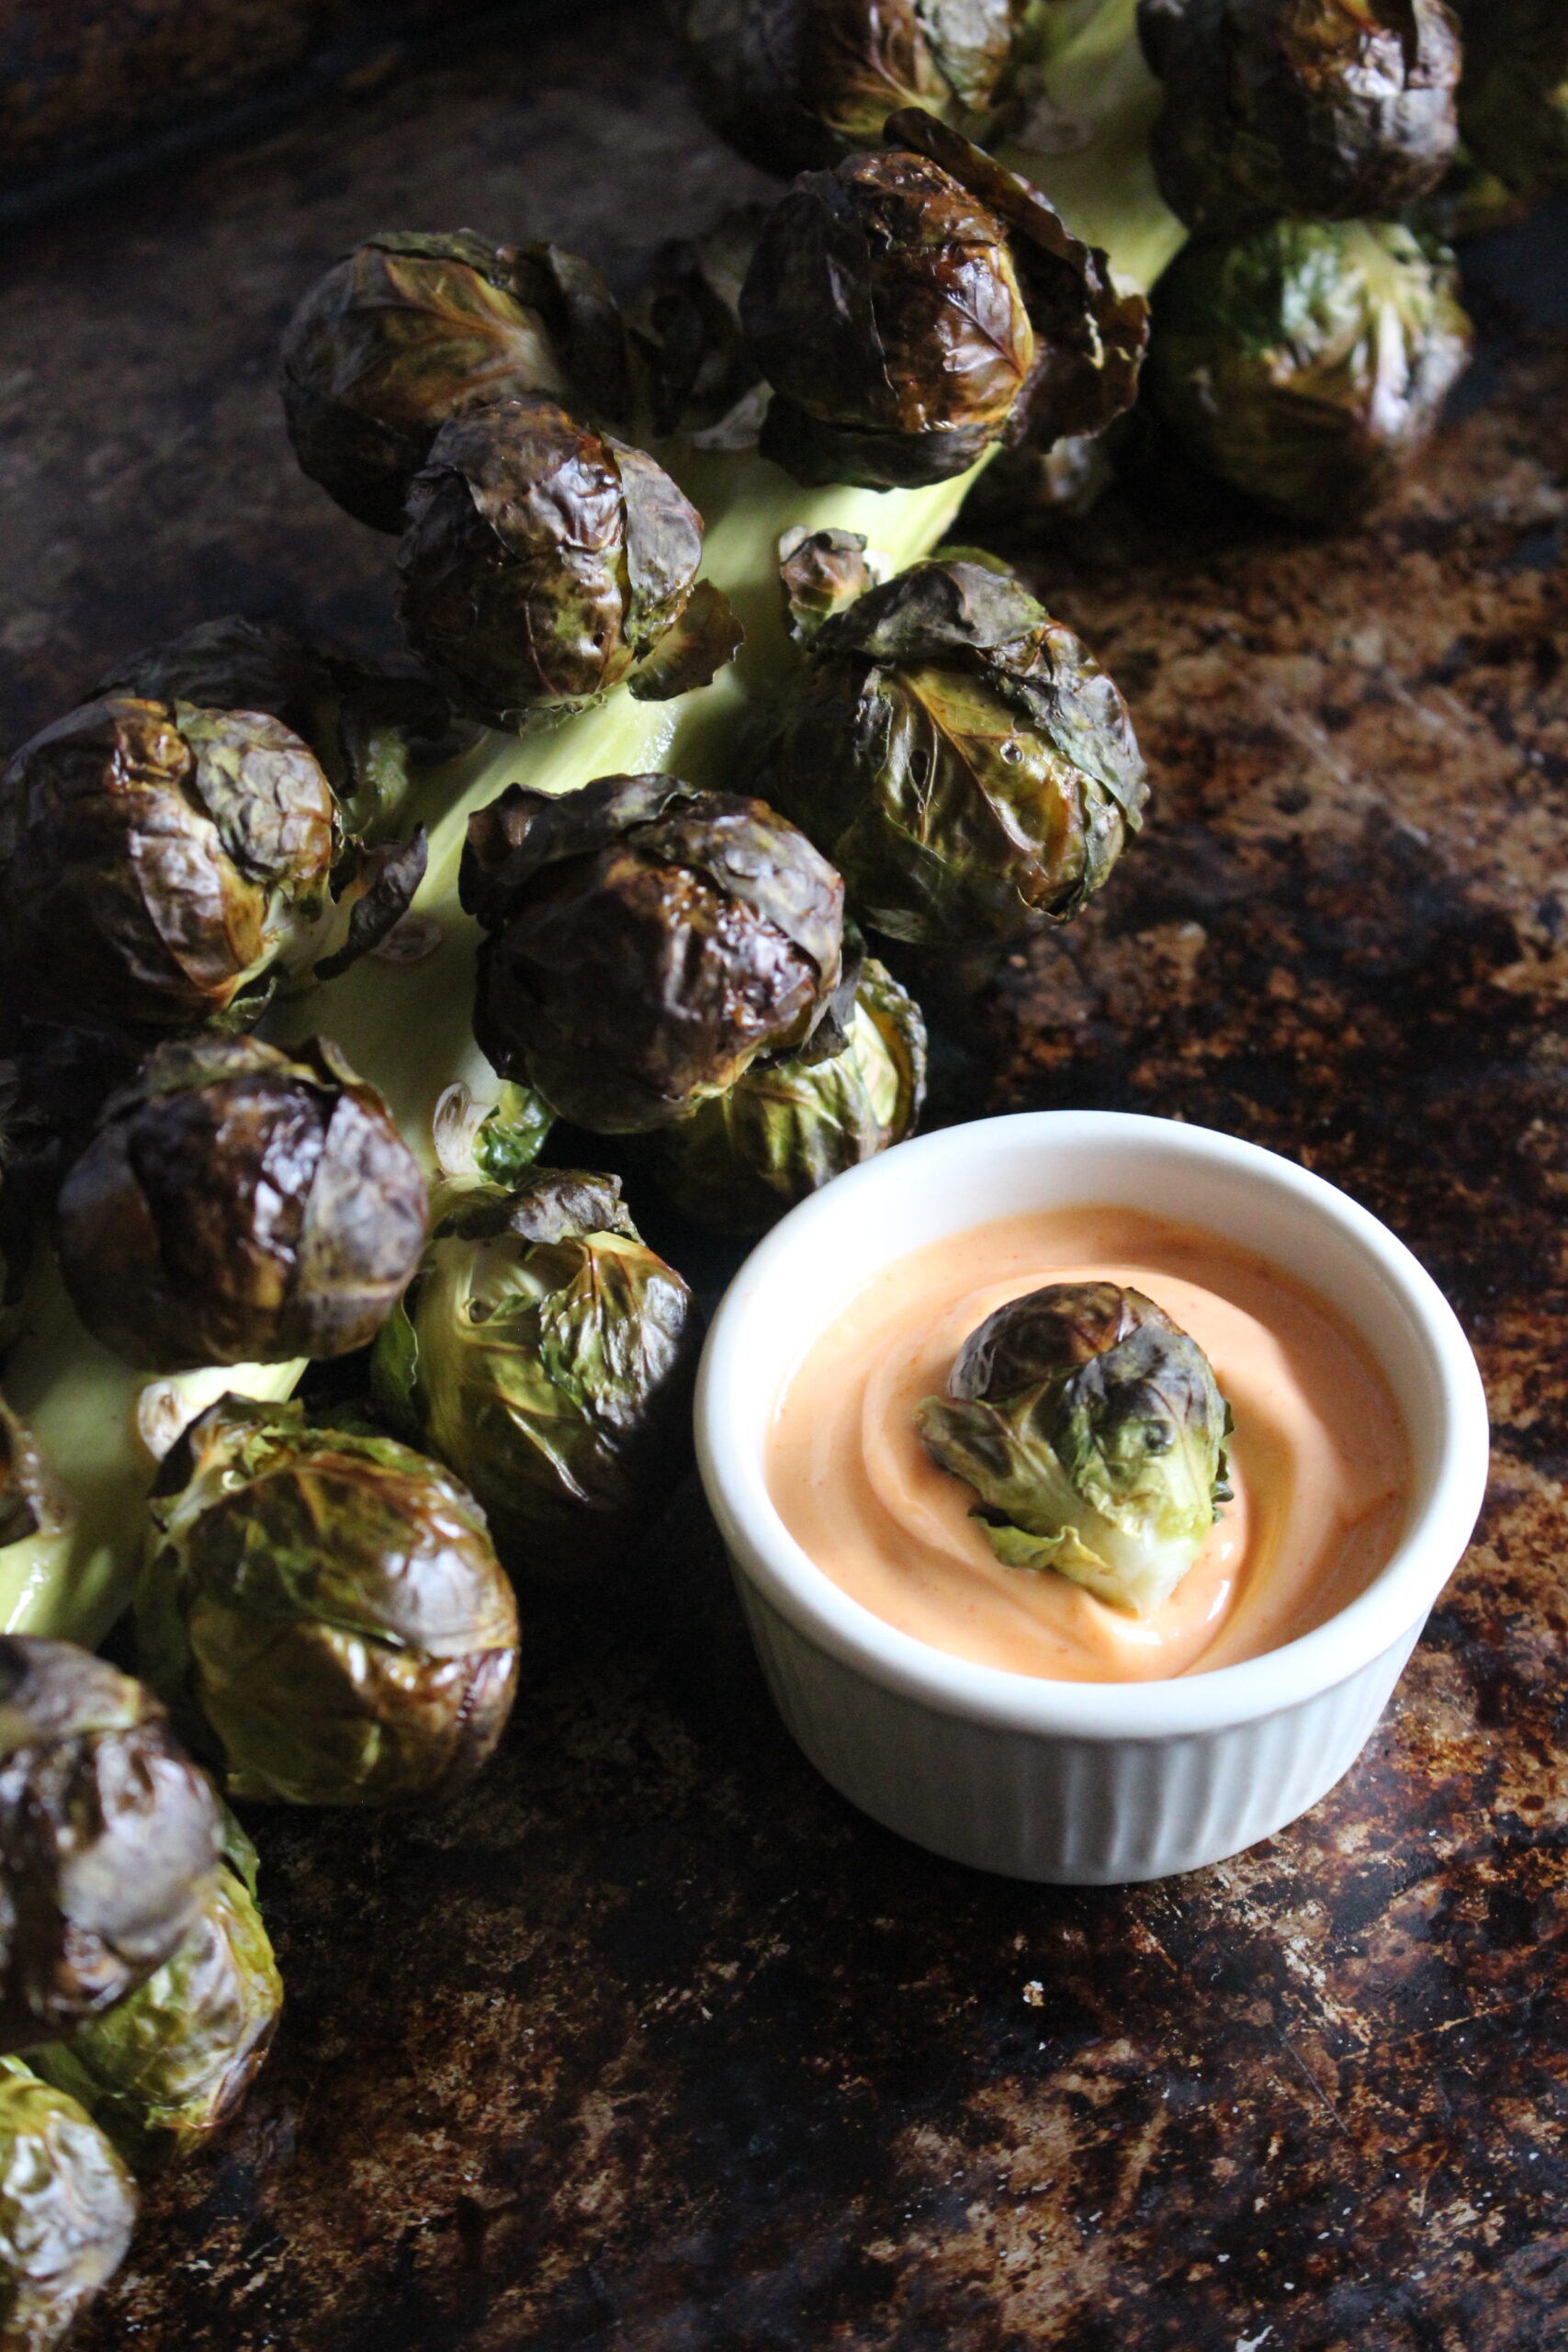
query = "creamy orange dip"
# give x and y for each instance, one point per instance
(1318, 1457)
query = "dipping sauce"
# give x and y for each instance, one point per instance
(1318, 1458)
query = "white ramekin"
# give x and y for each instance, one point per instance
(1091, 1783)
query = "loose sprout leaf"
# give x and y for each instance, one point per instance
(381, 895)
(693, 650)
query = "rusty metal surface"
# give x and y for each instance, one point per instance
(651, 2041)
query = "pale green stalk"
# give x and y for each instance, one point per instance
(406, 1027)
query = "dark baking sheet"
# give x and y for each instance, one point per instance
(651, 2041)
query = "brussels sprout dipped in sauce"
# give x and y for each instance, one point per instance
(546, 1355)
(67, 2210)
(240, 1205)
(786, 1128)
(324, 1611)
(1305, 362)
(172, 2063)
(413, 327)
(108, 1839)
(960, 755)
(545, 563)
(645, 944)
(1008, 1445)
(1092, 1429)
(796, 84)
(1317, 109)
(918, 304)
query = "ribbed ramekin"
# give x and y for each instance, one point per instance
(1091, 1783)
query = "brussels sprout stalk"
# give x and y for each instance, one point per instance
(406, 1026)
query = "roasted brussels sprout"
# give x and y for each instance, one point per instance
(108, 1839)
(67, 2210)
(545, 563)
(912, 306)
(963, 761)
(786, 1128)
(163, 865)
(324, 1611)
(1305, 362)
(546, 1355)
(1317, 109)
(1512, 100)
(368, 727)
(163, 2071)
(795, 84)
(645, 944)
(1090, 1427)
(240, 1205)
(412, 328)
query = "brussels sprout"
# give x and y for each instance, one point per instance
(546, 1355)
(324, 1611)
(1090, 1427)
(910, 308)
(67, 2210)
(544, 562)
(795, 84)
(239, 1205)
(162, 2071)
(645, 944)
(367, 728)
(963, 761)
(163, 865)
(108, 1839)
(1305, 362)
(1512, 100)
(1301, 108)
(788, 1127)
(410, 329)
